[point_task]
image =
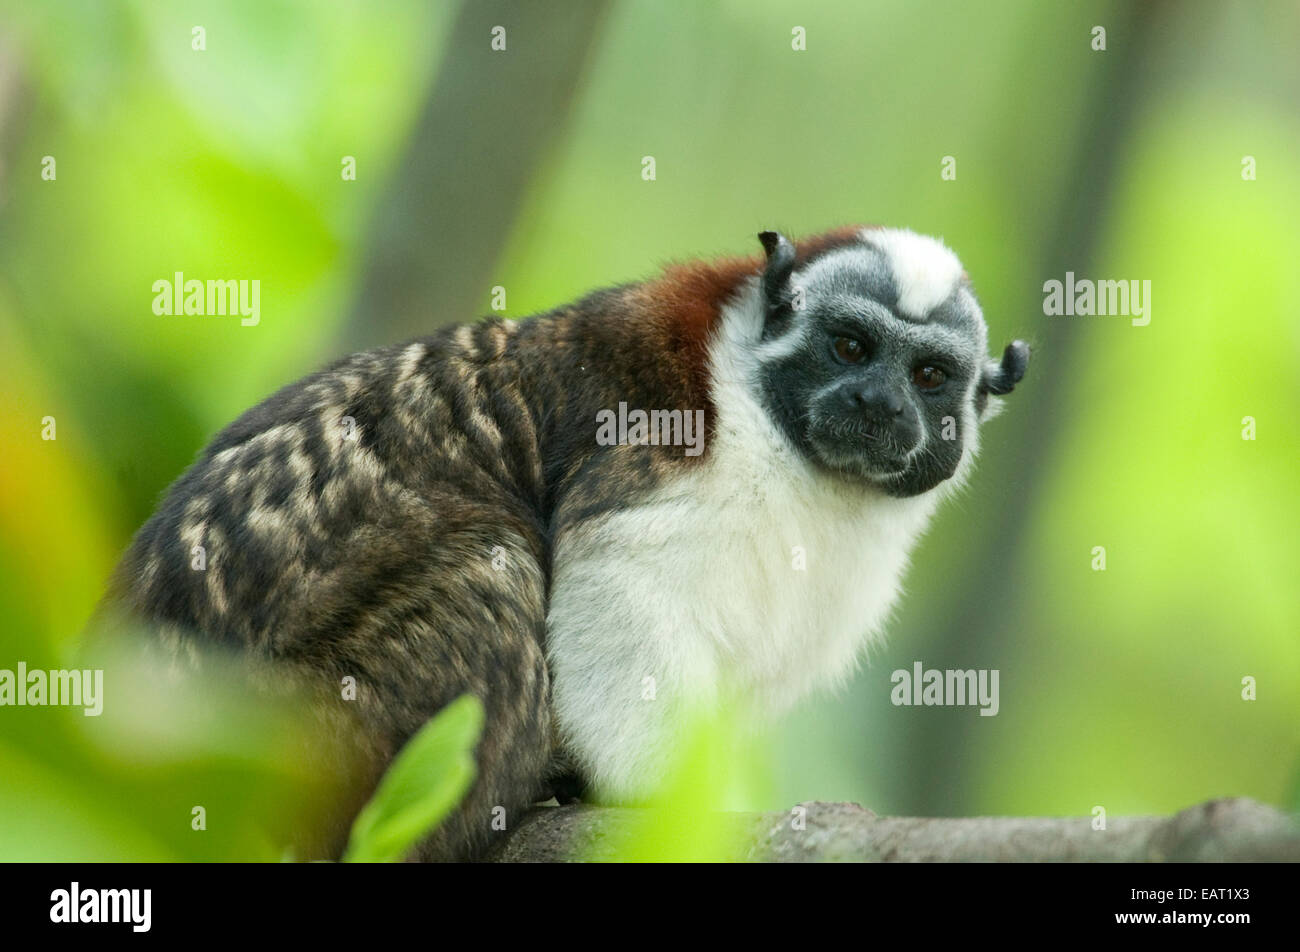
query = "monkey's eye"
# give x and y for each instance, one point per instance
(850, 350)
(928, 377)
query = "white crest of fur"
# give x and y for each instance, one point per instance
(925, 270)
(692, 597)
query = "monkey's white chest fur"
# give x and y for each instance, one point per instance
(752, 580)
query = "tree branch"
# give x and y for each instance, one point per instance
(1229, 830)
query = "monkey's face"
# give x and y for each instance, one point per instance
(873, 360)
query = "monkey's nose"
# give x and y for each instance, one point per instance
(878, 404)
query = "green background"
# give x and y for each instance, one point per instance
(1119, 688)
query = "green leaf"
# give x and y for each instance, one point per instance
(424, 783)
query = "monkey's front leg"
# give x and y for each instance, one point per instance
(565, 782)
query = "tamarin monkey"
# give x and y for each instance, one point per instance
(440, 517)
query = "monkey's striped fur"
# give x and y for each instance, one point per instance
(438, 518)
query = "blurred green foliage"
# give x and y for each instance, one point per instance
(423, 784)
(1120, 688)
(691, 816)
(172, 769)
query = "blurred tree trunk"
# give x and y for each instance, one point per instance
(488, 123)
(13, 103)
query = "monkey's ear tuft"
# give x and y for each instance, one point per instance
(780, 263)
(772, 240)
(1002, 377)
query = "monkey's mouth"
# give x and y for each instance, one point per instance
(861, 449)
(881, 474)
(885, 437)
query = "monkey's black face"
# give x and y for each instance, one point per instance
(871, 397)
(873, 382)
(890, 410)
